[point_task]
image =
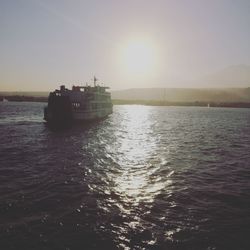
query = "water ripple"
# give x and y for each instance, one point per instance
(145, 178)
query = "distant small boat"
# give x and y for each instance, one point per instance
(5, 100)
(208, 105)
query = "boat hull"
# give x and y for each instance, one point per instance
(76, 116)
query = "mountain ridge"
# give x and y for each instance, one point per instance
(185, 95)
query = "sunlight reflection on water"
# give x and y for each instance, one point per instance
(139, 171)
(137, 181)
(145, 178)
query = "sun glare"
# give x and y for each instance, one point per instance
(138, 57)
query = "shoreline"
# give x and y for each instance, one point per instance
(21, 98)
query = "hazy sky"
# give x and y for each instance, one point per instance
(45, 43)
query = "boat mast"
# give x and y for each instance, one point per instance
(95, 80)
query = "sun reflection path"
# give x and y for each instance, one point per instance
(139, 180)
(132, 175)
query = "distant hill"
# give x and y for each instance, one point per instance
(185, 95)
(20, 93)
(231, 84)
(166, 94)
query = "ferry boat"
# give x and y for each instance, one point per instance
(82, 103)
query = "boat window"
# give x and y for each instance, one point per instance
(76, 105)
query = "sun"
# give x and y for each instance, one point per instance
(138, 57)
